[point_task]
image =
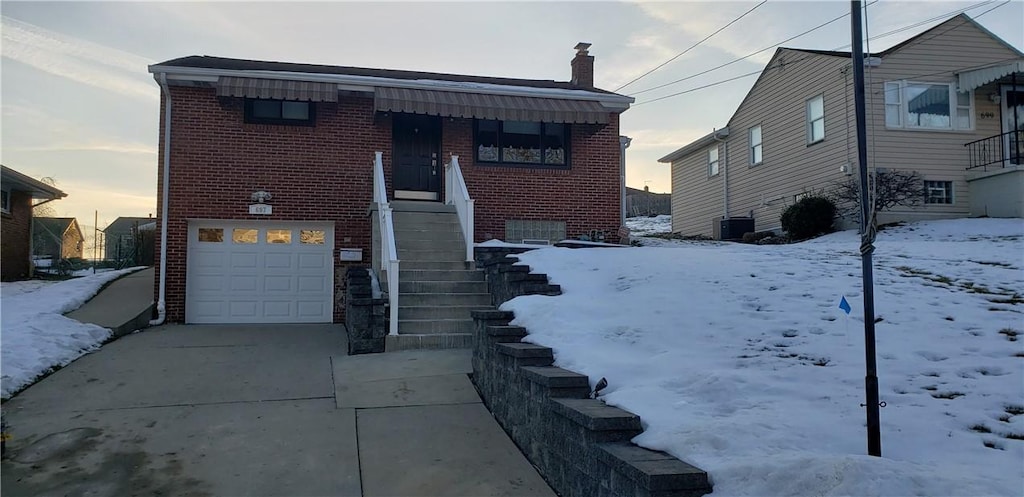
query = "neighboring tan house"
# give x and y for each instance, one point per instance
(16, 194)
(944, 103)
(57, 238)
(645, 203)
(121, 237)
(273, 171)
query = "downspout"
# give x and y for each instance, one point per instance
(725, 175)
(624, 142)
(161, 306)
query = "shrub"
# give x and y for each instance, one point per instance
(809, 217)
(756, 236)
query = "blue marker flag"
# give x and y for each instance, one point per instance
(844, 305)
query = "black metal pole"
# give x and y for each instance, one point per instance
(867, 230)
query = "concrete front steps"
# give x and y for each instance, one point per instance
(437, 287)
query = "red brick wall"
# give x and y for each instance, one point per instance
(586, 196)
(324, 173)
(15, 235)
(315, 173)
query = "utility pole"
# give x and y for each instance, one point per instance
(867, 234)
(95, 237)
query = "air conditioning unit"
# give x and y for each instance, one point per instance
(734, 227)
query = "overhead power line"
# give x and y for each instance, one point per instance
(695, 45)
(790, 62)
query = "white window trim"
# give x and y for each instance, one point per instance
(751, 144)
(716, 162)
(6, 206)
(810, 123)
(951, 192)
(953, 106)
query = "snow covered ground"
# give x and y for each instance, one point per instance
(35, 336)
(739, 360)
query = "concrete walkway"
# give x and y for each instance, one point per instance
(258, 410)
(125, 305)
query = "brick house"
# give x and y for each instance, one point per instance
(270, 173)
(16, 193)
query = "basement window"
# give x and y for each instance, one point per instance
(286, 112)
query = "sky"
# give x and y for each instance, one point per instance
(79, 106)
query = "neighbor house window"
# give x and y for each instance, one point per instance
(816, 119)
(5, 201)
(713, 161)
(938, 192)
(913, 105)
(755, 145)
(279, 112)
(522, 143)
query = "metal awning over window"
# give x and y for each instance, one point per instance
(276, 89)
(481, 106)
(969, 80)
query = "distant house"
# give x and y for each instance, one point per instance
(16, 194)
(645, 203)
(947, 103)
(121, 237)
(56, 238)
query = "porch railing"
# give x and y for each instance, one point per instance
(455, 193)
(388, 257)
(997, 151)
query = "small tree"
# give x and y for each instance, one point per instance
(888, 188)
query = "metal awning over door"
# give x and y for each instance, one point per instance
(485, 106)
(969, 80)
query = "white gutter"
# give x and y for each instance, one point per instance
(624, 142)
(205, 74)
(161, 305)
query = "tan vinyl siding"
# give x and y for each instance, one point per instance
(696, 198)
(935, 155)
(789, 166)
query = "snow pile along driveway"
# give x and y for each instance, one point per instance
(739, 360)
(36, 337)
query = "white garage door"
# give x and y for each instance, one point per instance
(259, 272)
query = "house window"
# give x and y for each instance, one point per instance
(522, 143)
(279, 236)
(5, 201)
(938, 192)
(211, 235)
(913, 105)
(311, 237)
(816, 119)
(713, 161)
(755, 145)
(244, 235)
(279, 112)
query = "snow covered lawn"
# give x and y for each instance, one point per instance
(738, 359)
(35, 336)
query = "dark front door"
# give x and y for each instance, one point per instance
(417, 142)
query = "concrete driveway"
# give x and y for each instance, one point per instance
(258, 410)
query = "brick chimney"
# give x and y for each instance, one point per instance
(583, 66)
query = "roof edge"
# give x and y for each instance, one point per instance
(33, 185)
(694, 146)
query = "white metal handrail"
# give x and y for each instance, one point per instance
(456, 193)
(388, 257)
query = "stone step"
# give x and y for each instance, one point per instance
(438, 312)
(425, 234)
(443, 287)
(413, 227)
(447, 245)
(440, 275)
(454, 264)
(424, 217)
(430, 255)
(443, 299)
(434, 326)
(440, 341)
(420, 206)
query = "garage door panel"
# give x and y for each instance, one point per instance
(277, 283)
(259, 272)
(244, 283)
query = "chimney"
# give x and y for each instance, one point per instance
(583, 66)
(647, 189)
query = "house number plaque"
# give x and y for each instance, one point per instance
(263, 209)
